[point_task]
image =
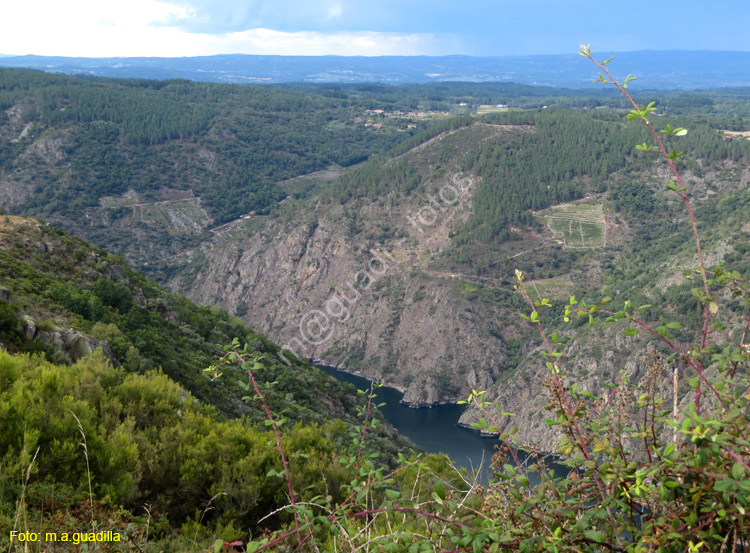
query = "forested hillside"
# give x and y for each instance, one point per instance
(148, 168)
(64, 298)
(254, 203)
(89, 153)
(160, 431)
(551, 157)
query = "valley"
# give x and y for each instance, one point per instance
(277, 227)
(397, 267)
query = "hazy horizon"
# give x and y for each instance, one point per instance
(229, 54)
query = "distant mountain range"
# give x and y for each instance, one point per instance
(674, 69)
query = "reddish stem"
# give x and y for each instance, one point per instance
(280, 447)
(565, 401)
(691, 362)
(683, 194)
(364, 424)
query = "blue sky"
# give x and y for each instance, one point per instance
(373, 27)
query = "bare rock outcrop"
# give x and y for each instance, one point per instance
(70, 342)
(75, 344)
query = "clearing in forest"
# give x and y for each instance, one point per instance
(558, 288)
(582, 225)
(484, 109)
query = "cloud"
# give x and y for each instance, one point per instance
(93, 28)
(335, 11)
(230, 16)
(267, 41)
(349, 27)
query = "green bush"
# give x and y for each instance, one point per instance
(147, 442)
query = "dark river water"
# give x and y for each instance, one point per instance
(435, 430)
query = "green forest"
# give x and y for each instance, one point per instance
(84, 152)
(145, 135)
(549, 157)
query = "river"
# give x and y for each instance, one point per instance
(435, 430)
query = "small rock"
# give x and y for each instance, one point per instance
(140, 297)
(115, 273)
(30, 330)
(5, 295)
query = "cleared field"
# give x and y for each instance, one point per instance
(557, 288)
(481, 110)
(581, 225)
(303, 183)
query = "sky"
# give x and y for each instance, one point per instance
(174, 28)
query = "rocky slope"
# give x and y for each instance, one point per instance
(400, 270)
(377, 307)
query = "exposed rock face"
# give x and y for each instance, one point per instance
(593, 365)
(70, 342)
(115, 274)
(76, 344)
(73, 343)
(323, 290)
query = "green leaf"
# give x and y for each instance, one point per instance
(528, 545)
(630, 331)
(738, 471)
(440, 489)
(725, 486)
(595, 535)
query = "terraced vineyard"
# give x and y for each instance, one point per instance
(582, 225)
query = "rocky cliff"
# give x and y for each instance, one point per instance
(355, 285)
